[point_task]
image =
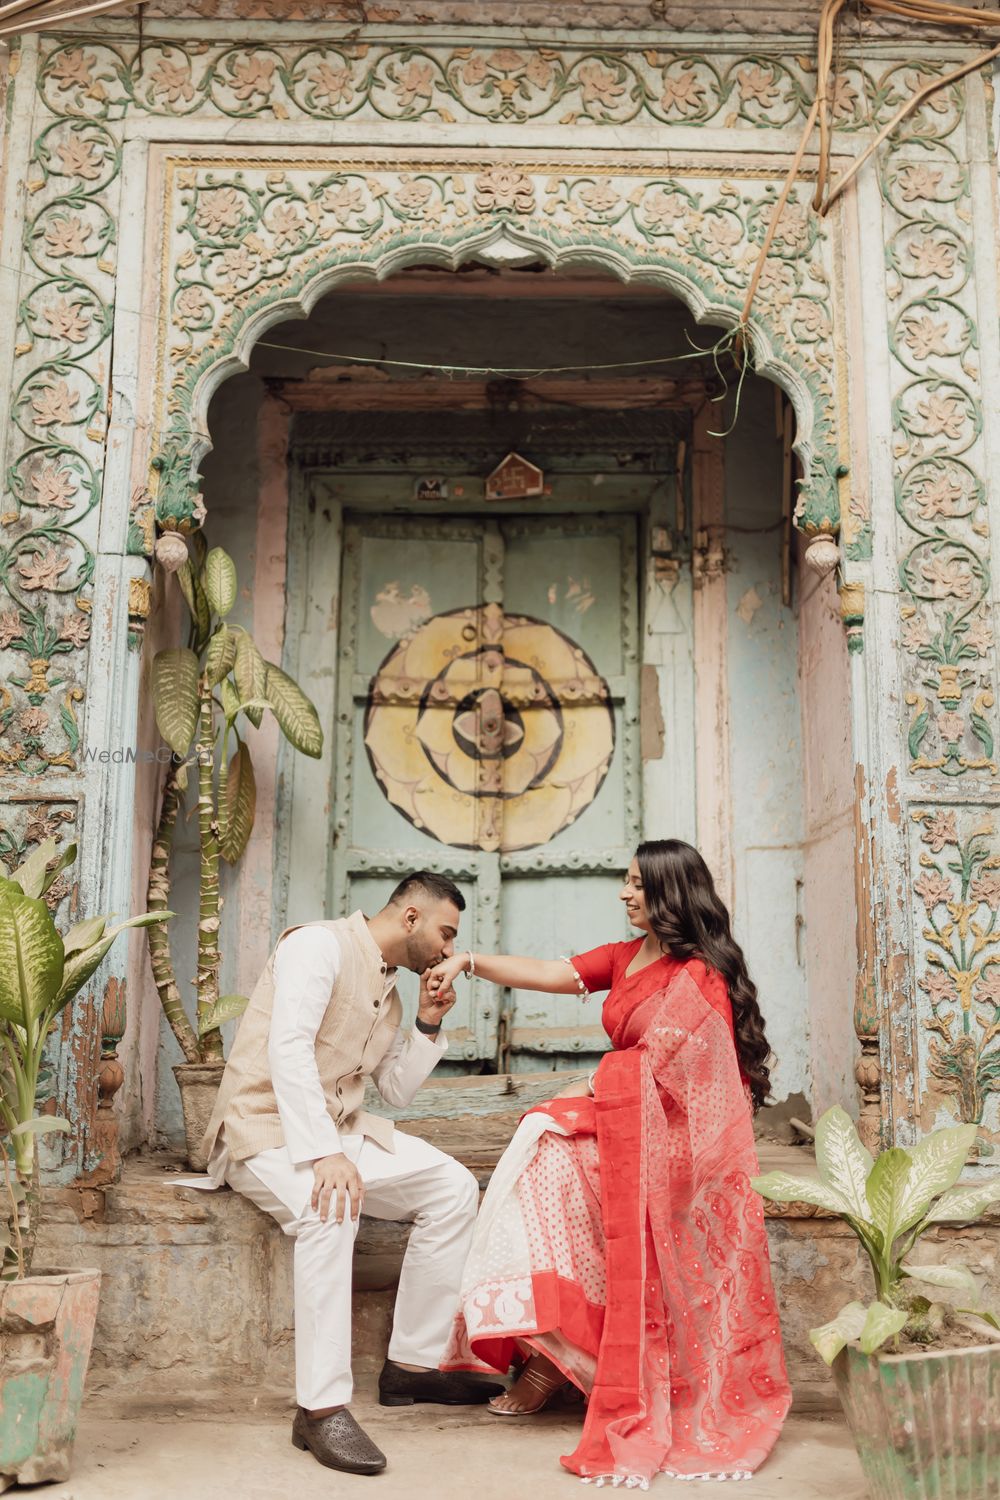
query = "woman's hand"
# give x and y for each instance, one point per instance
(443, 975)
(434, 1004)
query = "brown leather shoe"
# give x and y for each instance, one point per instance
(338, 1442)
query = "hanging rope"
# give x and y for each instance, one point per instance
(44, 15)
(931, 12)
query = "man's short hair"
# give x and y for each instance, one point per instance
(438, 887)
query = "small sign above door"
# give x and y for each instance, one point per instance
(515, 478)
(430, 487)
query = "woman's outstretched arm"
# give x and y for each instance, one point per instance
(551, 975)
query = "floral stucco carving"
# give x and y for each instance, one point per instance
(939, 458)
(250, 233)
(958, 895)
(564, 83)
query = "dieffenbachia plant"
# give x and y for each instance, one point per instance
(889, 1202)
(41, 970)
(204, 695)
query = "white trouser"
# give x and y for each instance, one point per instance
(416, 1182)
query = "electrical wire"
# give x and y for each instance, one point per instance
(513, 372)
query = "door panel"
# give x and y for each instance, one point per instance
(550, 917)
(488, 693)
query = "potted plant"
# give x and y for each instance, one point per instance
(46, 1319)
(918, 1369)
(205, 695)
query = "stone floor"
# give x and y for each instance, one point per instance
(431, 1451)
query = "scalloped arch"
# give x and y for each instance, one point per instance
(777, 354)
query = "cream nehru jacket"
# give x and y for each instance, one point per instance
(357, 1030)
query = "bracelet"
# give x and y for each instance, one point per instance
(470, 972)
(581, 987)
(590, 1080)
(425, 1028)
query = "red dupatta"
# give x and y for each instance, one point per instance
(690, 1375)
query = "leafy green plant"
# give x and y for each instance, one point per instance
(889, 1202)
(205, 694)
(41, 970)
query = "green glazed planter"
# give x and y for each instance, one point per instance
(926, 1425)
(46, 1330)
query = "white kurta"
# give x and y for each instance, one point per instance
(415, 1181)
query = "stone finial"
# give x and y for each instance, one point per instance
(822, 553)
(171, 551)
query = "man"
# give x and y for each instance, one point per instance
(289, 1133)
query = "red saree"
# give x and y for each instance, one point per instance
(620, 1237)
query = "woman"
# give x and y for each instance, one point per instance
(620, 1245)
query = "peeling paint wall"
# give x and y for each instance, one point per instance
(828, 937)
(765, 739)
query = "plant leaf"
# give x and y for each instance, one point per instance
(843, 1162)
(951, 1278)
(33, 876)
(977, 1312)
(294, 712)
(230, 699)
(175, 697)
(194, 592)
(784, 1187)
(251, 675)
(241, 805)
(226, 1008)
(42, 1125)
(78, 968)
(31, 956)
(82, 964)
(185, 577)
(937, 1164)
(84, 934)
(221, 656)
(220, 580)
(881, 1323)
(886, 1191)
(965, 1202)
(144, 919)
(830, 1338)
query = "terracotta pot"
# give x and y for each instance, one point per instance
(199, 1084)
(46, 1330)
(926, 1425)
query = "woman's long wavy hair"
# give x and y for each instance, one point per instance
(689, 920)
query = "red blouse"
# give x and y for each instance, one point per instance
(605, 968)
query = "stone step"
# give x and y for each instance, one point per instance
(197, 1300)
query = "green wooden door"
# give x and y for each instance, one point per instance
(488, 689)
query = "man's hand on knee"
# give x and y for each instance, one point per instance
(336, 1179)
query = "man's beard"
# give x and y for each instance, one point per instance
(420, 955)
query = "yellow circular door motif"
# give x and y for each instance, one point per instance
(489, 731)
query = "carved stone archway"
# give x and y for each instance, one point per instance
(250, 241)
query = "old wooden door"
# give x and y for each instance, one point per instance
(488, 691)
